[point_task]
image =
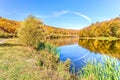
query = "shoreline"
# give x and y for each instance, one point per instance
(100, 38)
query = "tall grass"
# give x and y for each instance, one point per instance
(108, 70)
(51, 48)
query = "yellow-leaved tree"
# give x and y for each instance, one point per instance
(32, 32)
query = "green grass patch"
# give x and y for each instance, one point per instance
(108, 70)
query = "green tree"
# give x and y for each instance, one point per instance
(32, 32)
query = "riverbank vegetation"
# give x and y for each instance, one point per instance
(108, 69)
(19, 62)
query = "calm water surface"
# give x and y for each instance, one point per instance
(79, 51)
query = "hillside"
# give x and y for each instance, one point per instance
(58, 32)
(10, 26)
(109, 28)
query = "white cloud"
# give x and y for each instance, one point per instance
(54, 14)
(82, 15)
(59, 13)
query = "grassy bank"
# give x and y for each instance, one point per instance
(18, 62)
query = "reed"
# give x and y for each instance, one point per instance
(109, 69)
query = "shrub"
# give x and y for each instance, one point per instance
(40, 46)
(32, 32)
(51, 48)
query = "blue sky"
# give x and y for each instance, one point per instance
(70, 14)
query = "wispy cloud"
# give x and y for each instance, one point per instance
(59, 13)
(54, 14)
(63, 12)
(82, 15)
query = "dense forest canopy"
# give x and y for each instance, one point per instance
(53, 31)
(109, 28)
(11, 26)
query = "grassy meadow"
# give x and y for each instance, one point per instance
(19, 62)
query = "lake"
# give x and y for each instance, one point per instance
(80, 51)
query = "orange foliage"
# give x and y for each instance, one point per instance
(109, 28)
(11, 26)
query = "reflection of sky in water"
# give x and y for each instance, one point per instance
(78, 55)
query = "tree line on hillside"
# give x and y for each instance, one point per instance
(11, 26)
(109, 28)
(60, 32)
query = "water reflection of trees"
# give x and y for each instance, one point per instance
(102, 46)
(64, 41)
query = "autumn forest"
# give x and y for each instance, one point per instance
(59, 40)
